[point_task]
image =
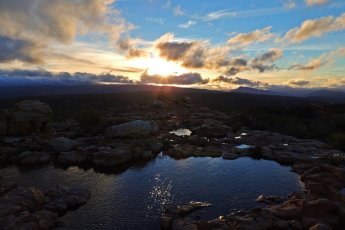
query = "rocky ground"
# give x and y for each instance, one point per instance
(139, 133)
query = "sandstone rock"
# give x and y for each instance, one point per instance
(62, 144)
(137, 128)
(29, 117)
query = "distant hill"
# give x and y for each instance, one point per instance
(250, 90)
(325, 93)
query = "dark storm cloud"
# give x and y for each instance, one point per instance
(266, 60)
(42, 77)
(200, 54)
(22, 50)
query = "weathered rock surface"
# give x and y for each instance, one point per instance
(29, 157)
(62, 144)
(32, 208)
(29, 117)
(137, 128)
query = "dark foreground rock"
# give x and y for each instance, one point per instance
(34, 208)
(29, 117)
(134, 135)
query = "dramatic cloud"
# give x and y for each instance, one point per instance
(183, 79)
(129, 46)
(42, 77)
(316, 2)
(200, 54)
(265, 61)
(315, 28)
(195, 54)
(298, 82)
(245, 39)
(239, 81)
(192, 54)
(33, 22)
(23, 50)
(324, 59)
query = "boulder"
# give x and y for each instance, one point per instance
(107, 156)
(30, 157)
(62, 144)
(137, 128)
(75, 157)
(29, 117)
(269, 199)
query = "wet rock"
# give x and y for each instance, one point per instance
(187, 208)
(166, 222)
(183, 224)
(29, 117)
(137, 128)
(63, 144)
(269, 199)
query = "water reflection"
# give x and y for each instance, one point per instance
(181, 132)
(243, 146)
(135, 198)
(160, 196)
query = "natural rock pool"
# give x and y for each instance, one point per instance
(135, 198)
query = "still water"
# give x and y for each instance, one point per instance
(135, 198)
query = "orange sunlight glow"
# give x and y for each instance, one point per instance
(158, 66)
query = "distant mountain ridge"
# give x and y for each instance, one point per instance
(295, 92)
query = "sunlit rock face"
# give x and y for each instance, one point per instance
(29, 117)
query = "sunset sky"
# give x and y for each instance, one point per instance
(219, 44)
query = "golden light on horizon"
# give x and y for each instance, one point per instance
(159, 66)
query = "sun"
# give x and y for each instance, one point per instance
(158, 66)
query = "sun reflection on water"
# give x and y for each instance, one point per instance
(160, 196)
